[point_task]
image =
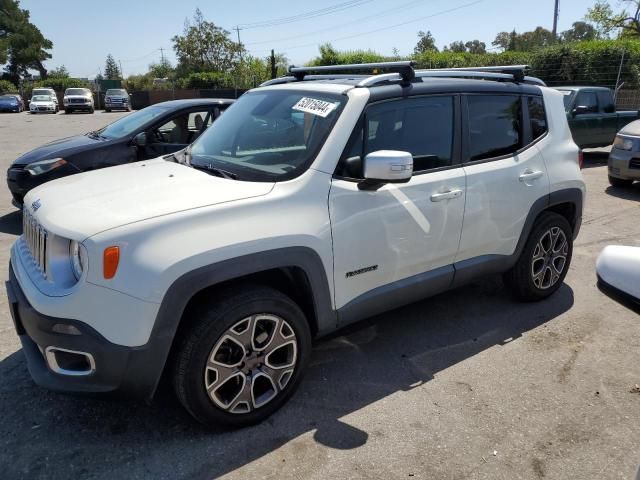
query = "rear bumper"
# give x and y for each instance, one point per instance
(127, 371)
(619, 164)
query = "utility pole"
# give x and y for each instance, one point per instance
(161, 56)
(555, 20)
(121, 72)
(237, 29)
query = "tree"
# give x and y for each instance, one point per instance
(476, 46)
(502, 40)
(60, 72)
(204, 47)
(111, 70)
(162, 69)
(523, 42)
(627, 23)
(456, 47)
(579, 32)
(22, 45)
(426, 43)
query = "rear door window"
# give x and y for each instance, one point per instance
(495, 126)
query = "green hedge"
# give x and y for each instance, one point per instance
(203, 80)
(588, 63)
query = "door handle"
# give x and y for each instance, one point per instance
(529, 175)
(438, 197)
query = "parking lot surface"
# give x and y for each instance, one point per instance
(466, 385)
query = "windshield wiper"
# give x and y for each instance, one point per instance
(95, 134)
(215, 171)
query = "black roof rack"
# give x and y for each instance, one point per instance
(403, 68)
(404, 71)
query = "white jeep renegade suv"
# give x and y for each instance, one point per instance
(313, 202)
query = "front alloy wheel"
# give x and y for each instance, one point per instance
(252, 362)
(242, 357)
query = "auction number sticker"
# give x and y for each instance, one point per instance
(315, 106)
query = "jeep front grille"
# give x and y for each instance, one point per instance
(35, 238)
(634, 163)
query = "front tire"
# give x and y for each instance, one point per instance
(67, 111)
(544, 261)
(242, 357)
(619, 182)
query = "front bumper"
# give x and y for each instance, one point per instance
(624, 164)
(128, 371)
(78, 106)
(115, 106)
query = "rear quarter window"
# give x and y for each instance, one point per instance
(537, 117)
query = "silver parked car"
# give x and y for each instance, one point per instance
(624, 159)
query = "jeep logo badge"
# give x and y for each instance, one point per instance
(36, 205)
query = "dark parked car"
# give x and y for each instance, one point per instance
(592, 115)
(148, 133)
(11, 103)
(117, 98)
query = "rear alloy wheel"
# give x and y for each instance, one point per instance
(242, 358)
(619, 182)
(544, 261)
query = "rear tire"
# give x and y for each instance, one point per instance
(241, 357)
(619, 182)
(544, 261)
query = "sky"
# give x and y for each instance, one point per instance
(83, 33)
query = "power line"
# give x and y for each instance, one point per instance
(336, 27)
(307, 15)
(419, 19)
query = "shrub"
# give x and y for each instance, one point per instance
(7, 87)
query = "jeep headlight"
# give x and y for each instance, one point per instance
(77, 262)
(44, 166)
(623, 143)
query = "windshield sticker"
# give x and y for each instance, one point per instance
(315, 106)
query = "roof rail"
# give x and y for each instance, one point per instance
(517, 72)
(403, 68)
(290, 78)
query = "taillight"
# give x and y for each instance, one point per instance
(580, 159)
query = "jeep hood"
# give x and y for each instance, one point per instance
(79, 206)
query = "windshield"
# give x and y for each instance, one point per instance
(268, 135)
(41, 91)
(115, 92)
(132, 122)
(568, 97)
(8, 97)
(41, 98)
(76, 91)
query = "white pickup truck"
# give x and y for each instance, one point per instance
(313, 202)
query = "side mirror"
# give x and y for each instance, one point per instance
(140, 140)
(580, 110)
(386, 166)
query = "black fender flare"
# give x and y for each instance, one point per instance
(155, 353)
